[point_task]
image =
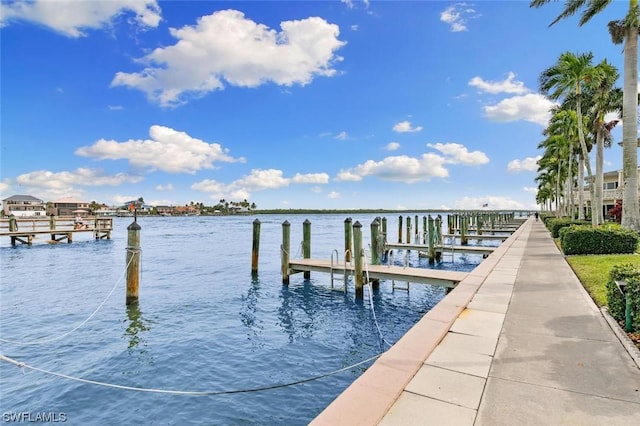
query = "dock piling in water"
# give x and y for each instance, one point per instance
(357, 259)
(255, 248)
(347, 239)
(284, 251)
(306, 244)
(133, 262)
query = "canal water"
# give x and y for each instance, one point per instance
(205, 335)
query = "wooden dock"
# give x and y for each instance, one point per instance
(59, 229)
(483, 250)
(479, 237)
(414, 275)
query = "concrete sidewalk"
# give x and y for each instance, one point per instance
(518, 342)
(557, 360)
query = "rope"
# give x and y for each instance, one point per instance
(180, 392)
(51, 339)
(373, 311)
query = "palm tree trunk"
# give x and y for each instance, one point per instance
(630, 205)
(597, 217)
(580, 187)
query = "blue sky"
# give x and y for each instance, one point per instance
(327, 104)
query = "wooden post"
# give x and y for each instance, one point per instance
(133, 262)
(357, 257)
(347, 240)
(255, 248)
(52, 226)
(425, 231)
(384, 230)
(464, 223)
(306, 244)
(376, 248)
(432, 241)
(479, 224)
(400, 229)
(438, 229)
(416, 231)
(408, 229)
(284, 251)
(13, 223)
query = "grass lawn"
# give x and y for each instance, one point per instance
(593, 272)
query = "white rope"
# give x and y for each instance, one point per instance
(181, 392)
(52, 339)
(373, 311)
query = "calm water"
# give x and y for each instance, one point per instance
(203, 324)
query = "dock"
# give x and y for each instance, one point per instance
(25, 230)
(482, 250)
(381, 272)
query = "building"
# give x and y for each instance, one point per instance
(69, 207)
(23, 205)
(612, 191)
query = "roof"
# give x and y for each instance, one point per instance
(23, 198)
(70, 200)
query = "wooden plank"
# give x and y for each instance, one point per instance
(414, 275)
(479, 237)
(446, 248)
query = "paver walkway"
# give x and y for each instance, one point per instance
(530, 348)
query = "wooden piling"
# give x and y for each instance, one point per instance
(348, 250)
(284, 251)
(464, 230)
(400, 229)
(306, 244)
(432, 241)
(133, 262)
(438, 229)
(357, 259)
(416, 231)
(255, 247)
(409, 229)
(376, 248)
(13, 223)
(425, 231)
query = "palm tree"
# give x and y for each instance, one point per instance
(569, 78)
(622, 31)
(603, 99)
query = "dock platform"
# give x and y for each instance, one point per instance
(483, 250)
(414, 275)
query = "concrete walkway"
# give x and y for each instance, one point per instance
(529, 347)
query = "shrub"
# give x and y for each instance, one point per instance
(555, 225)
(588, 240)
(616, 301)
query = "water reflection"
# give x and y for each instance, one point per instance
(248, 315)
(305, 299)
(136, 328)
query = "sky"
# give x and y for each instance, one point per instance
(285, 104)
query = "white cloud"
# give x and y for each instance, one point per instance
(531, 107)
(167, 149)
(167, 187)
(493, 202)
(529, 164)
(506, 86)
(72, 18)
(115, 107)
(392, 146)
(530, 189)
(456, 153)
(457, 16)
(398, 168)
(257, 180)
(227, 48)
(405, 127)
(343, 136)
(333, 195)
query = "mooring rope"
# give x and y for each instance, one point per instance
(52, 339)
(181, 392)
(373, 311)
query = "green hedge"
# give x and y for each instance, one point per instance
(556, 224)
(616, 301)
(588, 240)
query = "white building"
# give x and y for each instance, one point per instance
(24, 206)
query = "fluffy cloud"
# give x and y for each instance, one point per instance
(71, 18)
(167, 149)
(257, 180)
(167, 187)
(456, 153)
(529, 164)
(493, 202)
(405, 127)
(226, 47)
(333, 195)
(398, 168)
(530, 107)
(506, 86)
(457, 16)
(392, 146)
(530, 189)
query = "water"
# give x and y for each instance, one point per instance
(202, 324)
